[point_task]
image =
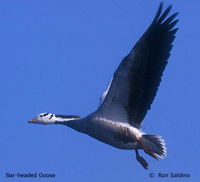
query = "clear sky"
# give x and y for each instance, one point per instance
(58, 56)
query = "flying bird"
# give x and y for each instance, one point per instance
(129, 95)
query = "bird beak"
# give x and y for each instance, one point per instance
(33, 120)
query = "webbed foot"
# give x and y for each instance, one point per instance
(141, 160)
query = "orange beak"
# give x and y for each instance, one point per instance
(33, 120)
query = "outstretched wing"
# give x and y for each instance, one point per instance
(136, 80)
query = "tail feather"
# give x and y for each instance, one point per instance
(156, 144)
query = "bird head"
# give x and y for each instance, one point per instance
(43, 118)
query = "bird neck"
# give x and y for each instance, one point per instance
(71, 121)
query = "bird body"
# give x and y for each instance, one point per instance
(116, 134)
(129, 95)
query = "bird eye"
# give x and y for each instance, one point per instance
(40, 115)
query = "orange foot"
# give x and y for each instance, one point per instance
(147, 150)
(141, 160)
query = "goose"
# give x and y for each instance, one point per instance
(129, 95)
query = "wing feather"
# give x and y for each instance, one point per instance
(138, 76)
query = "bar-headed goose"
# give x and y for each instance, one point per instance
(129, 95)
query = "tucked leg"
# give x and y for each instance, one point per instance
(147, 150)
(141, 160)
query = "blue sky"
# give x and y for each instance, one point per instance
(58, 56)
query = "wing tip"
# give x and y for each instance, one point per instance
(159, 18)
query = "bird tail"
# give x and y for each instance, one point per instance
(156, 144)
